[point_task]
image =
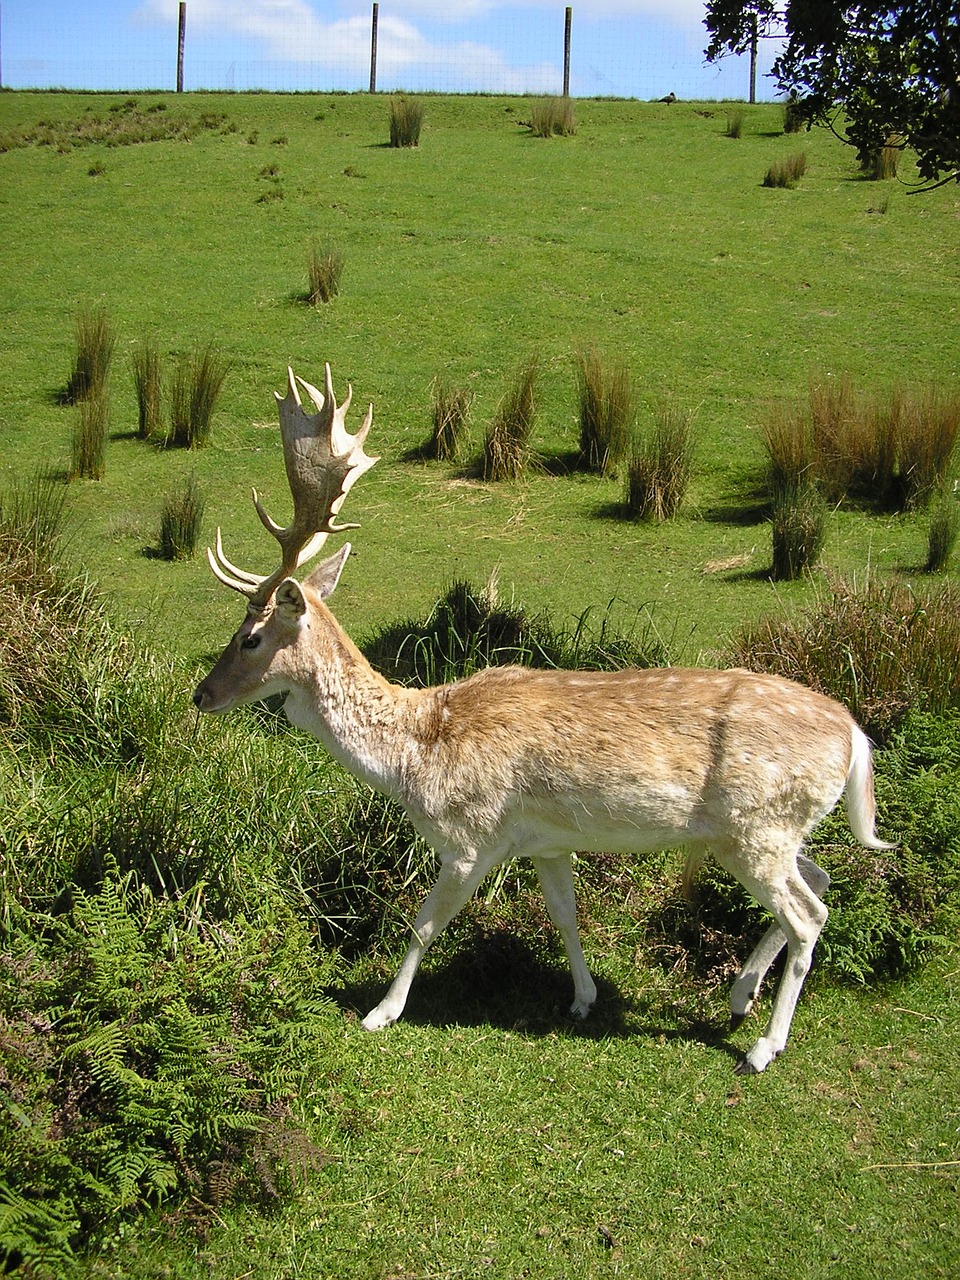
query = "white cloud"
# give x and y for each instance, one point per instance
(291, 31)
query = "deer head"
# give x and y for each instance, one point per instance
(323, 461)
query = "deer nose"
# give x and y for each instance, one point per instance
(198, 699)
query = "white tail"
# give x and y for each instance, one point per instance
(516, 762)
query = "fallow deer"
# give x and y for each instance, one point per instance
(512, 761)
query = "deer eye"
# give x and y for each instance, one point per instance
(251, 641)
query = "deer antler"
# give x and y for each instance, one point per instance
(323, 460)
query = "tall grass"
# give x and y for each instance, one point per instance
(506, 449)
(786, 172)
(658, 473)
(734, 127)
(552, 118)
(895, 453)
(798, 520)
(877, 647)
(324, 272)
(406, 121)
(89, 441)
(943, 531)
(95, 342)
(470, 628)
(606, 411)
(147, 378)
(198, 379)
(181, 518)
(450, 411)
(881, 164)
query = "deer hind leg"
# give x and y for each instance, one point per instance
(454, 887)
(747, 984)
(800, 916)
(556, 881)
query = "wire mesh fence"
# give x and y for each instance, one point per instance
(648, 49)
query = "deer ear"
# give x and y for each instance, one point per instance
(289, 601)
(326, 575)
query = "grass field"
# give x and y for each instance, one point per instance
(484, 1135)
(647, 233)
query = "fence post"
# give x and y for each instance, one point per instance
(567, 23)
(181, 39)
(373, 48)
(754, 37)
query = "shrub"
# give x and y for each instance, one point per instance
(799, 513)
(944, 528)
(606, 412)
(180, 521)
(506, 450)
(552, 117)
(91, 366)
(450, 411)
(878, 648)
(786, 173)
(659, 470)
(88, 452)
(197, 382)
(324, 271)
(406, 121)
(147, 382)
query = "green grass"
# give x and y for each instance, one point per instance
(647, 233)
(485, 1134)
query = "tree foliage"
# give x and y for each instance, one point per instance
(893, 69)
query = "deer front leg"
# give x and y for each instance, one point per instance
(556, 881)
(454, 887)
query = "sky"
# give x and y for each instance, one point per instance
(623, 48)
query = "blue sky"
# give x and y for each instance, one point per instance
(629, 48)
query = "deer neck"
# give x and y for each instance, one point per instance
(337, 696)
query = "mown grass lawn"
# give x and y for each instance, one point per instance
(485, 1134)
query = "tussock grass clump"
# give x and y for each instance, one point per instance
(95, 345)
(180, 520)
(406, 121)
(877, 647)
(506, 449)
(794, 117)
(552, 118)
(324, 272)
(734, 127)
(881, 164)
(786, 173)
(799, 515)
(943, 531)
(895, 453)
(450, 411)
(606, 412)
(658, 473)
(197, 381)
(89, 442)
(470, 628)
(147, 379)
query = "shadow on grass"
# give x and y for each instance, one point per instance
(494, 979)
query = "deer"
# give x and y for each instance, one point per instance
(512, 761)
